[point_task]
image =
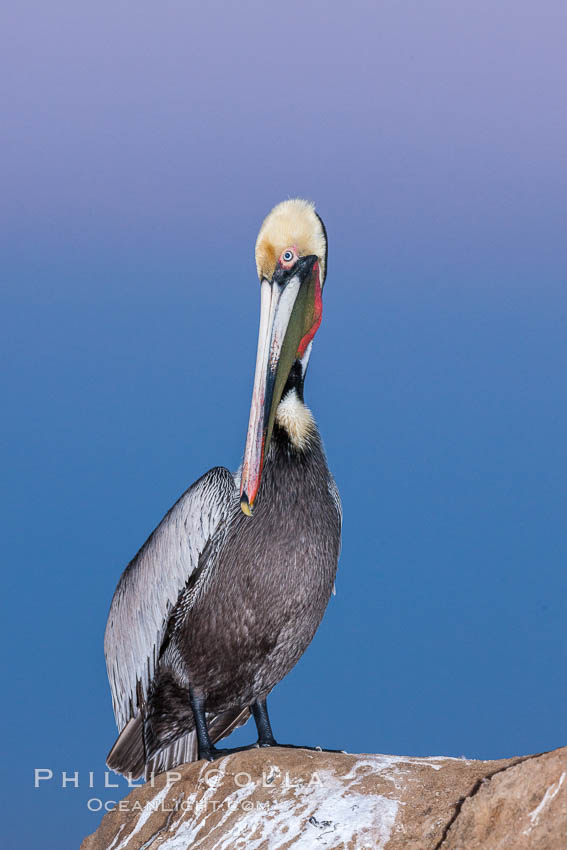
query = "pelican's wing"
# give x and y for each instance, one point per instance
(150, 586)
(335, 495)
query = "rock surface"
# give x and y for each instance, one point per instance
(284, 798)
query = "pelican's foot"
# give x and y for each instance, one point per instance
(265, 735)
(214, 753)
(305, 747)
(274, 743)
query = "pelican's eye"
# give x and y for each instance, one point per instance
(288, 258)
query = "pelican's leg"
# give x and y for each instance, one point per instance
(265, 735)
(206, 749)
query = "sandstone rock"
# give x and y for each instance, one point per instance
(524, 807)
(286, 798)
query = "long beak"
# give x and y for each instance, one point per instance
(285, 317)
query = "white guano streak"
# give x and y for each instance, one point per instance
(551, 792)
(151, 806)
(330, 813)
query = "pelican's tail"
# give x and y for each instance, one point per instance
(128, 755)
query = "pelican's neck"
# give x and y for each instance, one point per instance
(292, 414)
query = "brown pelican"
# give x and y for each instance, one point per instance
(226, 594)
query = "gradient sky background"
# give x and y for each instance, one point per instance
(142, 144)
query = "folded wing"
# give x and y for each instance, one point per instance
(150, 586)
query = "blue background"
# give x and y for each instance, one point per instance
(142, 144)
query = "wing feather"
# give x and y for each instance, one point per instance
(336, 497)
(150, 585)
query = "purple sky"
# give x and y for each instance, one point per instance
(440, 125)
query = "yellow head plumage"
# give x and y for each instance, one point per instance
(294, 224)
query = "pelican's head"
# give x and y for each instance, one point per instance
(291, 259)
